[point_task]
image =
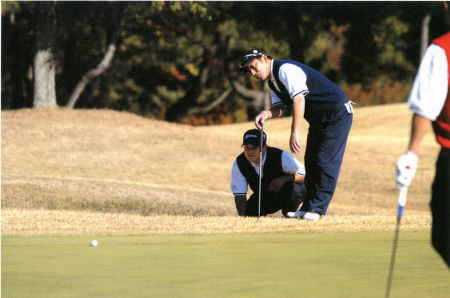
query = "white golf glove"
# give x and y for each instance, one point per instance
(406, 169)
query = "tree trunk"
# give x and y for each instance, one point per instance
(447, 16)
(44, 64)
(424, 37)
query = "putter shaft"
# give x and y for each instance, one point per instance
(394, 252)
(260, 168)
(401, 207)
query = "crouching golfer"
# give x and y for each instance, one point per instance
(282, 186)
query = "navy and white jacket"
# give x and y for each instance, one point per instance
(290, 78)
(275, 163)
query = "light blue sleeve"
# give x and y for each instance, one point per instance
(238, 185)
(291, 165)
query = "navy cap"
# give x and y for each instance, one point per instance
(252, 137)
(248, 58)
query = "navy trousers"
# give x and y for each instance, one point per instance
(325, 146)
(440, 207)
(287, 199)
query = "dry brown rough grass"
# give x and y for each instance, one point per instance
(85, 171)
(32, 222)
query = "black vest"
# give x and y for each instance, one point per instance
(273, 168)
(323, 95)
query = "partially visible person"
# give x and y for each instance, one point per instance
(430, 102)
(282, 186)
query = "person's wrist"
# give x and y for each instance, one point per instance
(265, 112)
(412, 156)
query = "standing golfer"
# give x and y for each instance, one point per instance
(282, 186)
(329, 114)
(430, 102)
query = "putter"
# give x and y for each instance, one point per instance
(260, 166)
(401, 207)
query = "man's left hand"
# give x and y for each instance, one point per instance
(406, 169)
(294, 143)
(276, 184)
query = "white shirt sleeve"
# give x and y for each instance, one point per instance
(294, 79)
(429, 91)
(275, 99)
(239, 185)
(291, 165)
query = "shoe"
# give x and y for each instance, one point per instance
(298, 214)
(304, 215)
(311, 216)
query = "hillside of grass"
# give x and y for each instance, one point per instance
(100, 162)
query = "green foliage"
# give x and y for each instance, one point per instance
(9, 7)
(388, 35)
(165, 48)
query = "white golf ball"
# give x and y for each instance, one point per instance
(94, 242)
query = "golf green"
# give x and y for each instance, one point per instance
(222, 265)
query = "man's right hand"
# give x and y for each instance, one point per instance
(260, 119)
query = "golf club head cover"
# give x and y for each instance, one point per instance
(406, 169)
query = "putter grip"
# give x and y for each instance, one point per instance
(401, 201)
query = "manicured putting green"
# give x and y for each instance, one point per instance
(230, 265)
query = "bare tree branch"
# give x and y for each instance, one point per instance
(212, 105)
(91, 74)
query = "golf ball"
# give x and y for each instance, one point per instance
(94, 242)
